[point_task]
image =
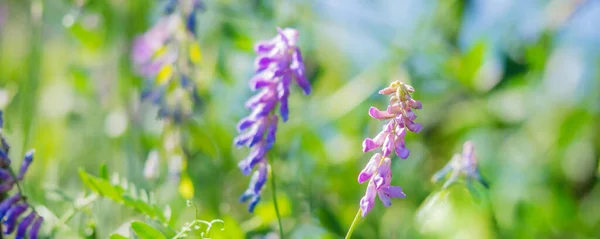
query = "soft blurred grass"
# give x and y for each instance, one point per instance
(519, 79)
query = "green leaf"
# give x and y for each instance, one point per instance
(117, 236)
(103, 173)
(106, 189)
(118, 194)
(144, 207)
(145, 231)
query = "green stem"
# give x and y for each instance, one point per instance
(275, 202)
(354, 223)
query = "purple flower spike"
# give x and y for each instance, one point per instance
(378, 172)
(277, 65)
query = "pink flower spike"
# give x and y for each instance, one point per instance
(400, 116)
(380, 115)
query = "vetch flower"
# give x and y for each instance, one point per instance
(279, 63)
(400, 117)
(166, 55)
(12, 207)
(461, 164)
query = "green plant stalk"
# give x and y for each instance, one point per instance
(275, 203)
(353, 225)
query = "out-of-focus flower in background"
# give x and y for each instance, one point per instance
(461, 164)
(166, 55)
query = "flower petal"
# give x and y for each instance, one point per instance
(388, 145)
(387, 91)
(412, 126)
(393, 191)
(271, 131)
(298, 67)
(245, 123)
(369, 169)
(415, 104)
(263, 47)
(383, 174)
(385, 199)
(367, 202)
(378, 114)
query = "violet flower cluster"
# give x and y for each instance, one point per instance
(461, 164)
(400, 116)
(278, 63)
(166, 55)
(13, 208)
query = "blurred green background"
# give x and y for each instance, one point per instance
(518, 78)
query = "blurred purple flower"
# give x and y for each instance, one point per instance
(14, 206)
(166, 56)
(279, 62)
(465, 163)
(148, 44)
(391, 139)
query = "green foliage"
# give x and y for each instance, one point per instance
(117, 236)
(119, 194)
(145, 231)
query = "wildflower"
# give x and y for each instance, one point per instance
(465, 163)
(166, 55)
(13, 206)
(279, 62)
(400, 116)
